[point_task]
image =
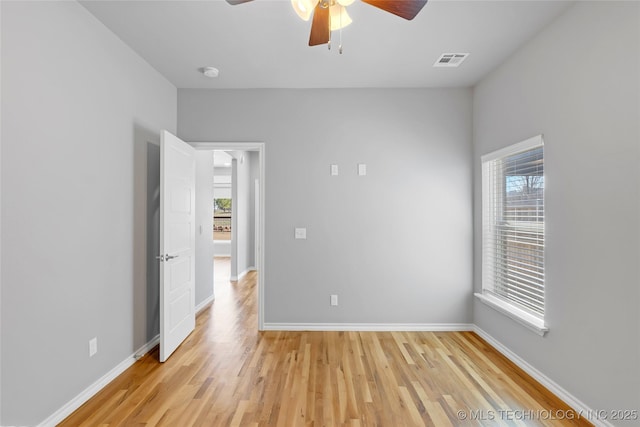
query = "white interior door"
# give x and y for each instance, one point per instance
(177, 242)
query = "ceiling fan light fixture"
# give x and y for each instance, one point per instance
(339, 17)
(331, 15)
(304, 8)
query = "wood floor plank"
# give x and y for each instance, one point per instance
(228, 374)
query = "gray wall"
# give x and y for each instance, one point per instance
(564, 85)
(153, 239)
(78, 110)
(243, 209)
(254, 174)
(394, 245)
(204, 226)
(233, 269)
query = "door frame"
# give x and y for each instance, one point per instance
(233, 271)
(259, 147)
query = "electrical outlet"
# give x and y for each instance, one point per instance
(93, 346)
(334, 300)
(300, 233)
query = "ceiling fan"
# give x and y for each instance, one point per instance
(330, 15)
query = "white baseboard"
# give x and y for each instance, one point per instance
(241, 275)
(551, 385)
(204, 304)
(147, 347)
(94, 388)
(369, 327)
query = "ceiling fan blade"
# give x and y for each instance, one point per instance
(407, 9)
(235, 2)
(320, 33)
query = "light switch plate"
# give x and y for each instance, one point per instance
(93, 346)
(301, 233)
(334, 170)
(362, 169)
(334, 300)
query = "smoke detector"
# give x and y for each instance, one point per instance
(450, 59)
(210, 72)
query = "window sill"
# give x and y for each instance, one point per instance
(527, 320)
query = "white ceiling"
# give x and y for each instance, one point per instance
(263, 44)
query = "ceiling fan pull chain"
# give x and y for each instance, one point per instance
(340, 45)
(329, 42)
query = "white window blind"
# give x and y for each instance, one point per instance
(513, 225)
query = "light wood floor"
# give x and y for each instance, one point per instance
(228, 374)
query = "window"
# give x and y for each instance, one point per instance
(513, 232)
(222, 219)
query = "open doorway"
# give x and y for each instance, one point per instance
(236, 218)
(222, 216)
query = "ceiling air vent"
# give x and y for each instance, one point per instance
(450, 59)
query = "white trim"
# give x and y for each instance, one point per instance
(147, 347)
(524, 318)
(492, 202)
(527, 144)
(204, 304)
(244, 273)
(68, 408)
(552, 386)
(228, 146)
(548, 383)
(260, 148)
(371, 327)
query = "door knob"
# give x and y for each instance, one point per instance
(167, 257)
(160, 258)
